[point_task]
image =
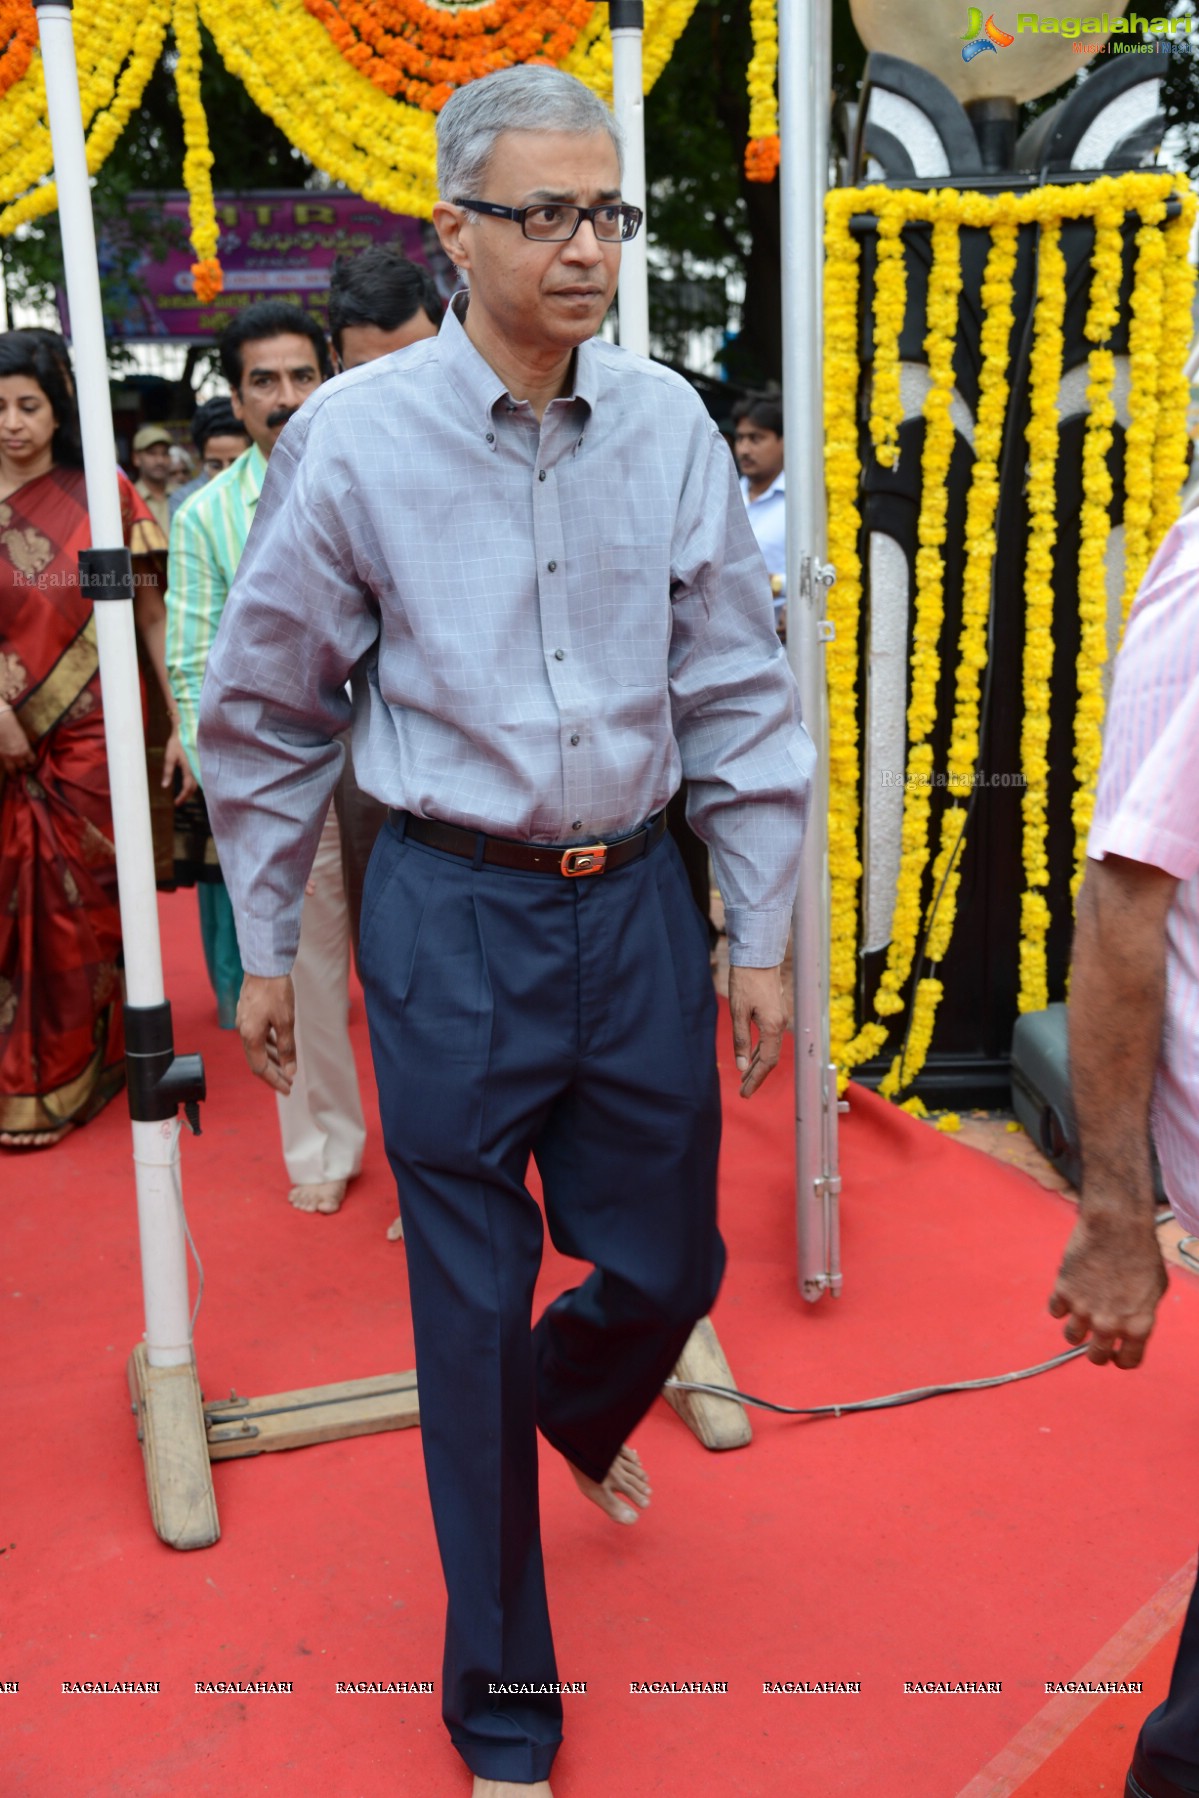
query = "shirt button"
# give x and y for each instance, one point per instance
(577, 825)
(491, 436)
(574, 737)
(559, 655)
(551, 566)
(541, 474)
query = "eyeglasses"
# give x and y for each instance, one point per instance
(551, 222)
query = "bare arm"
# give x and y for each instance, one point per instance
(1112, 1276)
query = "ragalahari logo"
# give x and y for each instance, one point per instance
(983, 37)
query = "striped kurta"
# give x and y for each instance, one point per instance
(208, 535)
(1147, 809)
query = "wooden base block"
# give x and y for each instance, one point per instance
(170, 1428)
(718, 1422)
(257, 1426)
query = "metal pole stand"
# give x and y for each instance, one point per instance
(162, 1369)
(805, 80)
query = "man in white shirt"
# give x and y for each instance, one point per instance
(1134, 1038)
(758, 446)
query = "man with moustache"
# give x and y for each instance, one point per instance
(527, 552)
(274, 356)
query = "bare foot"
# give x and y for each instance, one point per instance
(507, 1788)
(324, 1195)
(395, 1231)
(626, 1478)
(34, 1139)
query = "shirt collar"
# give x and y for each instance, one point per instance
(778, 485)
(476, 382)
(251, 471)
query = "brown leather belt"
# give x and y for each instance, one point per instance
(533, 858)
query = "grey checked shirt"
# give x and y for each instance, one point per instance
(543, 628)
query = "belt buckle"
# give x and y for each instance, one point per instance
(587, 860)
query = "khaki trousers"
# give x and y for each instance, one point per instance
(321, 1120)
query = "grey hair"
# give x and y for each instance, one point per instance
(529, 97)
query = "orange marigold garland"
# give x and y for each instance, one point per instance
(18, 40)
(418, 53)
(762, 151)
(207, 279)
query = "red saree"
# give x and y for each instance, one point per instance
(61, 1035)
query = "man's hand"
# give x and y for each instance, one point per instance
(173, 757)
(756, 997)
(266, 1018)
(1108, 1287)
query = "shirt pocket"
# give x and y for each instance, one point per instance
(632, 603)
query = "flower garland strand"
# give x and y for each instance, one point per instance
(207, 279)
(982, 504)
(1144, 353)
(1046, 207)
(890, 310)
(944, 288)
(108, 105)
(1094, 524)
(18, 40)
(843, 474)
(1043, 439)
(420, 54)
(762, 150)
(1173, 392)
(296, 73)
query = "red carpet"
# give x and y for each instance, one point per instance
(1000, 1536)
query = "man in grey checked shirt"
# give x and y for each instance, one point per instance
(528, 553)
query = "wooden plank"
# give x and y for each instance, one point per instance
(312, 1414)
(170, 1428)
(235, 1406)
(718, 1422)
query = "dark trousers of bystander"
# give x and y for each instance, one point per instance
(512, 1015)
(1169, 1744)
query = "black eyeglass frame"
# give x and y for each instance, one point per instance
(521, 213)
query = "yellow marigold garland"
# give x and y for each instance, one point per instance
(1144, 353)
(1178, 297)
(842, 466)
(207, 280)
(762, 150)
(1094, 524)
(890, 308)
(944, 287)
(294, 71)
(1042, 437)
(106, 36)
(981, 505)
(1137, 193)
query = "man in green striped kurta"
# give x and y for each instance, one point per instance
(273, 356)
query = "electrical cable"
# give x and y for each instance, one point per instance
(890, 1402)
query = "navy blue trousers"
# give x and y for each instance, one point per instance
(1170, 1734)
(518, 1015)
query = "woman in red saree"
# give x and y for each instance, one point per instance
(61, 1035)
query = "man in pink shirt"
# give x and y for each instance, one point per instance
(1134, 1037)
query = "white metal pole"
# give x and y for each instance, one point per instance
(805, 74)
(627, 24)
(155, 1140)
